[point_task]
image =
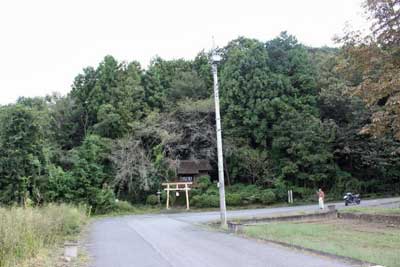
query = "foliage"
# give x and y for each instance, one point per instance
(61, 185)
(269, 96)
(205, 201)
(372, 67)
(67, 117)
(250, 165)
(267, 197)
(233, 199)
(22, 157)
(88, 179)
(385, 20)
(303, 150)
(109, 96)
(123, 206)
(206, 194)
(203, 183)
(152, 200)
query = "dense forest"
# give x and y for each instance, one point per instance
(294, 117)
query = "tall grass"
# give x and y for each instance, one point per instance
(25, 231)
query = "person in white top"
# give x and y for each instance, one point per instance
(321, 197)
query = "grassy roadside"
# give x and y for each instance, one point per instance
(366, 242)
(125, 208)
(374, 210)
(30, 236)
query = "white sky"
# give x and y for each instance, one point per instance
(44, 44)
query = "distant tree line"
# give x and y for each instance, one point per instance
(293, 117)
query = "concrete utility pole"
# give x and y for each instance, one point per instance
(215, 59)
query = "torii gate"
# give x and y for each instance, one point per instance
(178, 186)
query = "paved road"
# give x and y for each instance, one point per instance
(177, 240)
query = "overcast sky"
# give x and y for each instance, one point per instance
(44, 44)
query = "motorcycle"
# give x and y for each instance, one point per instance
(349, 198)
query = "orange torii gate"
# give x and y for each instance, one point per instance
(178, 186)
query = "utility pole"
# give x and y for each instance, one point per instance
(221, 184)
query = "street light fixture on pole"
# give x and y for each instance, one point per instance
(215, 58)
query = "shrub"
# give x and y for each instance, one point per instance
(237, 188)
(249, 194)
(267, 197)
(204, 182)
(152, 200)
(233, 199)
(205, 201)
(280, 190)
(303, 193)
(196, 201)
(213, 190)
(124, 206)
(105, 201)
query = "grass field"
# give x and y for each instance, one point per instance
(374, 210)
(368, 242)
(29, 235)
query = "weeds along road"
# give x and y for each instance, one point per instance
(179, 240)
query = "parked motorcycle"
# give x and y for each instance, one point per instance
(350, 198)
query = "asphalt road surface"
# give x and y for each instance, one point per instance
(179, 240)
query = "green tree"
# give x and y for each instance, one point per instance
(269, 96)
(22, 159)
(67, 121)
(92, 174)
(188, 85)
(247, 86)
(110, 96)
(302, 149)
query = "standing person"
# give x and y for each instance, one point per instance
(321, 197)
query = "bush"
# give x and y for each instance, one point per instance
(105, 201)
(213, 190)
(204, 182)
(152, 200)
(237, 188)
(267, 197)
(249, 194)
(233, 199)
(123, 206)
(306, 194)
(25, 231)
(280, 190)
(205, 201)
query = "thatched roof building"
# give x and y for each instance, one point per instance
(189, 170)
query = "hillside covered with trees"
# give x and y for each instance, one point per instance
(294, 117)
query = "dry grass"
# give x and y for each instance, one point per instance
(26, 232)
